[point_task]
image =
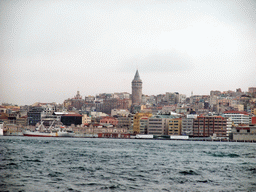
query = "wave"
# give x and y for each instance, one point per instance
(189, 172)
(222, 154)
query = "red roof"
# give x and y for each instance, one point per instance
(238, 112)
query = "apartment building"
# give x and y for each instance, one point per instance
(136, 121)
(187, 124)
(174, 126)
(157, 125)
(238, 117)
(144, 125)
(205, 126)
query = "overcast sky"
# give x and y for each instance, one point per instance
(50, 49)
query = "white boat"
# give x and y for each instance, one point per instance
(41, 131)
(62, 132)
(36, 134)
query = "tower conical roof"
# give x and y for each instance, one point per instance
(137, 77)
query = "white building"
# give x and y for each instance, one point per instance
(238, 117)
(120, 112)
(95, 114)
(187, 124)
(158, 124)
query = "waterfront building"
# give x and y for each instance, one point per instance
(174, 126)
(12, 130)
(144, 125)
(229, 126)
(136, 122)
(187, 125)
(206, 126)
(244, 133)
(157, 124)
(238, 117)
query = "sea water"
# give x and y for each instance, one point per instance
(97, 164)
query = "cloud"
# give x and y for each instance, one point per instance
(162, 62)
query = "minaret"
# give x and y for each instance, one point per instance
(136, 89)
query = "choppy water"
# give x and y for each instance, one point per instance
(68, 164)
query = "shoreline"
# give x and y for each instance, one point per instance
(190, 139)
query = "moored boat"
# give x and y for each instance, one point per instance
(41, 131)
(36, 134)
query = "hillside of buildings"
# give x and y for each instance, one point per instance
(228, 114)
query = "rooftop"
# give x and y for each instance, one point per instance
(235, 112)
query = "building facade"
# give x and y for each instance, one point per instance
(157, 125)
(69, 119)
(206, 126)
(187, 125)
(244, 133)
(34, 115)
(137, 122)
(136, 89)
(238, 117)
(174, 126)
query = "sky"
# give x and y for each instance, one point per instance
(51, 49)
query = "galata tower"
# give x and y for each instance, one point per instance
(136, 89)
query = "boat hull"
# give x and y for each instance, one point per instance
(36, 134)
(29, 135)
(65, 134)
(52, 134)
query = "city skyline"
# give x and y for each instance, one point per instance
(49, 50)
